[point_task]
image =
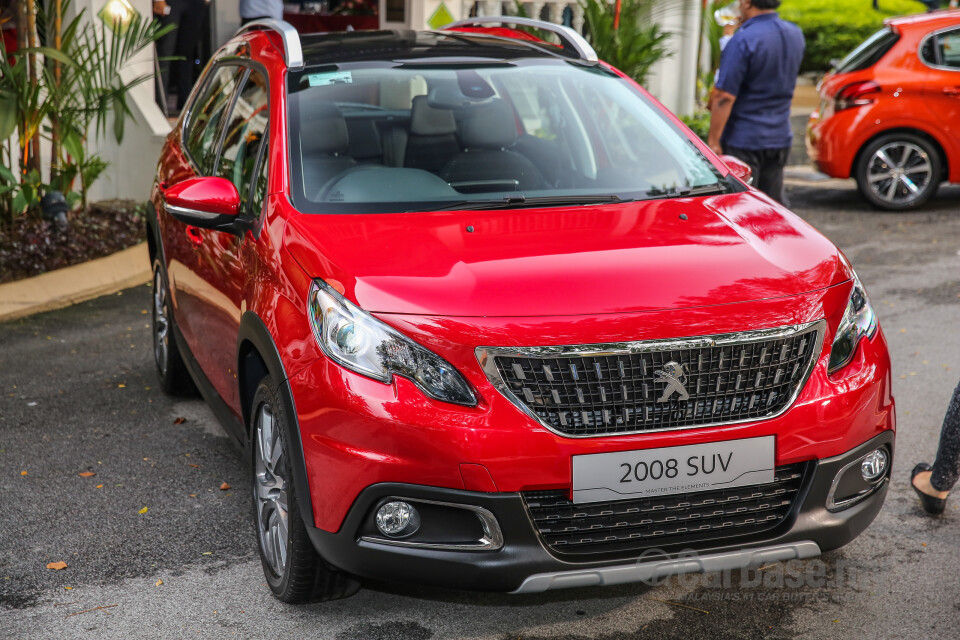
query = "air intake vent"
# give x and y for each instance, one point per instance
(682, 519)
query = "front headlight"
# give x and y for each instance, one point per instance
(858, 321)
(363, 344)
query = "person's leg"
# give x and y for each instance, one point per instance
(188, 33)
(751, 157)
(946, 469)
(770, 180)
(165, 49)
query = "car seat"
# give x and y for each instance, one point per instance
(486, 132)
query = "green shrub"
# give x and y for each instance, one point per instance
(833, 28)
(699, 123)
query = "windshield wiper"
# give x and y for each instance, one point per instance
(686, 192)
(519, 201)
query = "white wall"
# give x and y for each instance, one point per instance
(674, 80)
(133, 161)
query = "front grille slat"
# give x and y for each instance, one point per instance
(663, 520)
(594, 395)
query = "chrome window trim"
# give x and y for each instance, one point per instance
(569, 39)
(492, 538)
(292, 50)
(486, 356)
(923, 42)
(863, 495)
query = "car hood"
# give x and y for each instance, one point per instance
(642, 256)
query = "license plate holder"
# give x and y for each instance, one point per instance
(648, 473)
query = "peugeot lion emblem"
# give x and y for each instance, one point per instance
(675, 377)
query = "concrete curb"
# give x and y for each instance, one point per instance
(70, 285)
(807, 175)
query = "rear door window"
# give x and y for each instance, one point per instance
(207, 114)
(943, 49)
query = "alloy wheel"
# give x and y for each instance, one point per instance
(161, 325)
(899, 173)
(270, 487)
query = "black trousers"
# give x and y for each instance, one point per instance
(182, 43)
(947, 466)
(767, 166)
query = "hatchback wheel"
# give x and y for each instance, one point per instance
(294, 571)
(898, 171)
(173, 374)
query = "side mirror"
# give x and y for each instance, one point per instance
(738, 168)
(208, 203)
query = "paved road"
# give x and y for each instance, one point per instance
(79, 395)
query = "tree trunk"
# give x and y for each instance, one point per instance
(23, 146)
(30, 9)
(55, 145)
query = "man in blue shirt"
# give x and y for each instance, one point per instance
(750, 108)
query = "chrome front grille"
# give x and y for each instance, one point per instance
(596, 390)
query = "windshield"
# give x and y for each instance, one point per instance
(388, 137)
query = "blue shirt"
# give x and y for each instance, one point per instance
(261, 9)
(759, 66)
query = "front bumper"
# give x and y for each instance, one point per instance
(523, 563)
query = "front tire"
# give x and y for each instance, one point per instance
(898, 171)
(294, 571)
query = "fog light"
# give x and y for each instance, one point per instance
(874, 465)
(396, 519)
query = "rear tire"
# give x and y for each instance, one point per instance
(898, 171)
(294, 571)
(171, 370)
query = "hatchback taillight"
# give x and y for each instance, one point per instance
(856, 95)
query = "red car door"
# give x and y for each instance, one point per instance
(941, 52)
(225, 261)
(188, 249)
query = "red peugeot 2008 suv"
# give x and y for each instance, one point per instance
(484, 314)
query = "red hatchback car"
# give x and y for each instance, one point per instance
(483, 314)
(889, 114)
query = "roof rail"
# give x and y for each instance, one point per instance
(569, 39)
(292, 51)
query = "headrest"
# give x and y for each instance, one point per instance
(490, 126)
(323, 130)
(364, 139)
(427, 121)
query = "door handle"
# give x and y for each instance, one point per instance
(194, 234)
(953, 92)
